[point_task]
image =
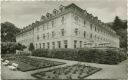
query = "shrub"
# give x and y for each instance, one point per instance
(11, 47)
(31, 47)
(107, 56)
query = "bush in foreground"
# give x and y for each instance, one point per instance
(108, 56)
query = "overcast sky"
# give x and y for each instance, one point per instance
(23, 13)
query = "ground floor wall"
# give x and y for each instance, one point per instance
(67, 42)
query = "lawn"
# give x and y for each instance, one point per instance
(27, 64)
(76, 71)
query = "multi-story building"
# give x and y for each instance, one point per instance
(68, 27)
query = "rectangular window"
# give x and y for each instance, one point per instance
(52, 23)
(65, 44)
(48, 44)
(95, 29)
(37, 37)
(62, 32)
(80, 44)
(43, 36)
(47, 35)
(84, 34)
(59, 44)
(43, 27)
(62, 20)
(38, 28)
(47, 25)
(53, 34)
(91, 26)
(36, 45)
(91, 35)
(75, 43)
(76, 31)
(44, 45)
(40, 45)
(84, 22)
(53, 45)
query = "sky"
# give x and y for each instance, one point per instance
(23, 13)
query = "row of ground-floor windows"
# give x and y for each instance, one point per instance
(49, 45)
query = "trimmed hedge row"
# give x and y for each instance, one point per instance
(108, 56)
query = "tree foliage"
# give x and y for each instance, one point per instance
(8, 32)
(120, 26)
(31, 47)
(11, 47)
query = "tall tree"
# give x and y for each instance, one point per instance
(117, 23)
(8, 32)
(120, 26)
(31, 47)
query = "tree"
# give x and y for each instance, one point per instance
(20, 47)
(31, 47)
(8, 32)
(117, 23)
(11, 47)
(120, 26)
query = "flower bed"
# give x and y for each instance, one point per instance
(27, 64)
(76, 71)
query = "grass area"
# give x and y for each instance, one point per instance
(76, 71)
(27, 64)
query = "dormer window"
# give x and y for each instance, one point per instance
(85, 12)
(42, 18)
(61, 8)
(55, 12)
(48, 15)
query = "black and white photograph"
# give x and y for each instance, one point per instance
(64, 39)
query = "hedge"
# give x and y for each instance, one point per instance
(108, 56)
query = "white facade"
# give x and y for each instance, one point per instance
(69, 27)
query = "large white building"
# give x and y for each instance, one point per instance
(68, 27)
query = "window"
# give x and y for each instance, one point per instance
(43, 27)
(84, 34)
(53, 34)
(59, 44)
(48, 44)
(52, 23)
(53, 44)
(62, 20)
(80, 44)
(84, 22)
(91, 35)
(95, 29)
(37, 37)
(36, 45)
(38, 28)
(76, 31)
(65, 44)
(40, 45)
(91, 26)
(75, 42)
(47, 25)
(62, 32)
(44, 45)
(76, 18)
(47, 35)
(43, 36)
